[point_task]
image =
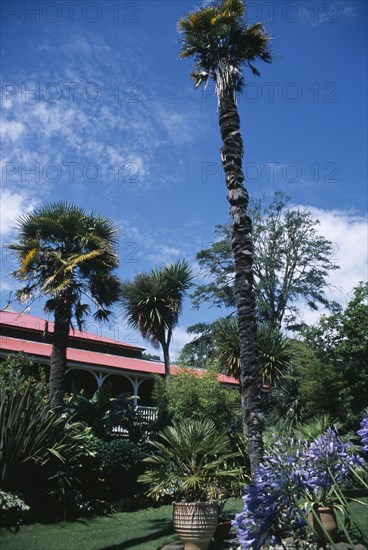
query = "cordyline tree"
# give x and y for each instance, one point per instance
(222, 43)
(153, 302)
(66, 255)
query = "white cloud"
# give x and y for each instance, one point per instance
(12, 206)
(330, 12)
(164, 254)
(349, 11)
(11, 130)
(180, 338)
(349, 234)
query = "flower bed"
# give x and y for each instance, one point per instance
(293, 479)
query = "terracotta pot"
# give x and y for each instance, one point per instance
(195, 523)
(327, 517)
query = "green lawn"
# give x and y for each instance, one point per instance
(148, 529)
(143, 530)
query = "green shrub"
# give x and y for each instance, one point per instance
(192, 461)
(119, 455)
(102, 412)
(41, 452)
(18, 370)
(188, 396)
(120, 463)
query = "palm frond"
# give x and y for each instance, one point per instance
(61, 249)
(153, 301)
(191, 459)
(221, 43)
(30, 258)
(227, 342)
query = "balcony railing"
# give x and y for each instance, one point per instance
(145, 416)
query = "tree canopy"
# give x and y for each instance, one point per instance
(291, 265)
(66, 255)
(339, 382)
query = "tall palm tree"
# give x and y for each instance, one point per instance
(65, 255)
(221, 42)
(153, 302)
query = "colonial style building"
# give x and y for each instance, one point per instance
(91, 359)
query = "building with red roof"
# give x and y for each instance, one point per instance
(91, 359)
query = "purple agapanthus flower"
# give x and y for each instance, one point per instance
(363, 432)
(290, 471)
(326, 462)
(270, 500)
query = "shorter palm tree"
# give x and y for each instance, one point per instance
(273, 349)
(65, 255)
(274, 353)
(192, 461)
(153, 302)
(225, 335)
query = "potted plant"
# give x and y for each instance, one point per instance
(328, 466)
(192, 463)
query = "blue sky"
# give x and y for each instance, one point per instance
(98, 110)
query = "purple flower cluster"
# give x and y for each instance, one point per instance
(270, 501)
(291, 471)
(327, 462)
(363, 432)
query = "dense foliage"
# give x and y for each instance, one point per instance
(41, 453)
(103, 413)
(17, 371)
(120, 463)
(56, 466)
(363, 432)
(188, 396)
(336, 379)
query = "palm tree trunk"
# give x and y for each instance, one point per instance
(242, 246)
(165, 350)
(58, 358)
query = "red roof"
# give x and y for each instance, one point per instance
(101, 359)
(87, 358)
(82, 356)
(30, 322)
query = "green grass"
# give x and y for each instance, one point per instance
(148, 529)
